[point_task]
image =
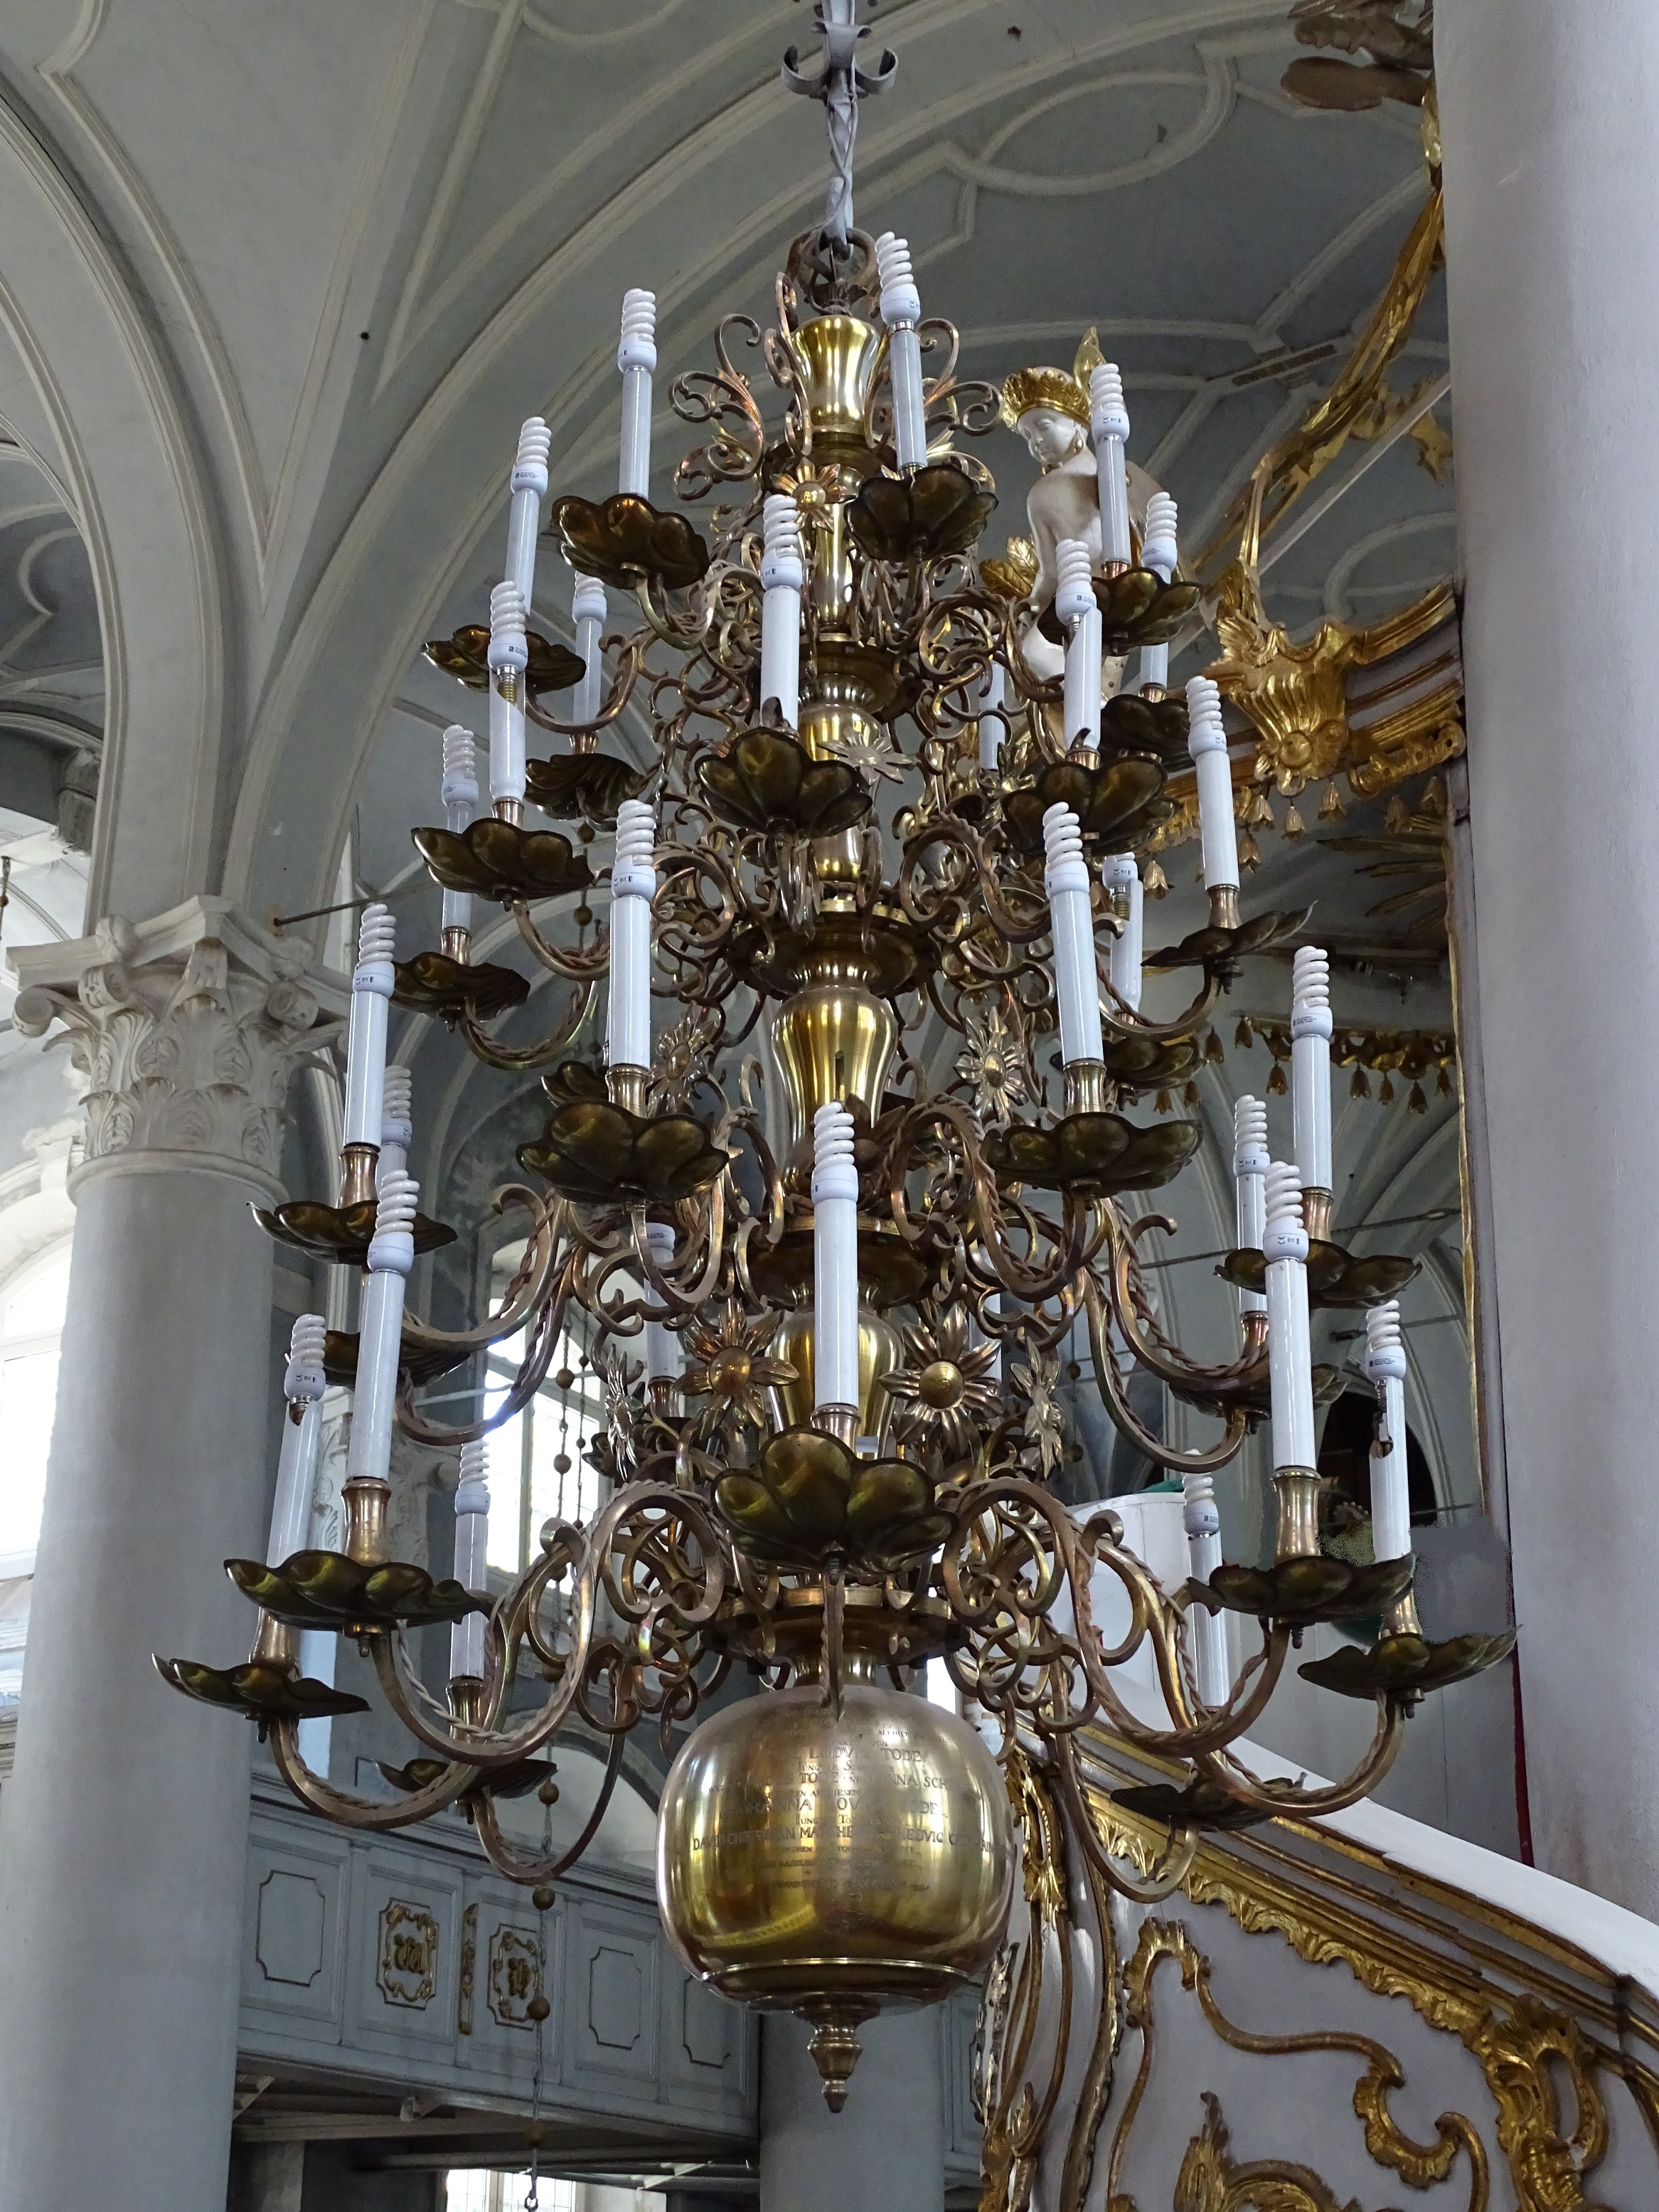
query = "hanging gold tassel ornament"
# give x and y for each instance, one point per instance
(1163, 1103)
(1213, 1051)
(1331, 808)
(1189, 1095)
(1154, 882)
(1250, 852)
(1385, 1096)
(1361, 1086)
(1442, 1082)
(1244, 1036)
(1294, 825)
(1276, 1083)
(1418, 1103)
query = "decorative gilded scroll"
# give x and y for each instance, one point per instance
(1418, 2165)
(1210, 2181)
(1526, 2049)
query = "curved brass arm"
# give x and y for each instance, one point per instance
(1121, 1020)
(628, 664)
(354, 1811)
(528, 1290)
(575, 967)
(1110, 1383)
(518, 1865)
(518, 1058)
(1290, 1798)
(1153, 1352)
(1165, 1881)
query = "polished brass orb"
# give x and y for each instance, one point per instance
(829, 1864)
(941, 1384)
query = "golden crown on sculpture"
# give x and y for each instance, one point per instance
(1027, 389)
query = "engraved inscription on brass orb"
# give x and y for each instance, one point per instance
(831, 1865)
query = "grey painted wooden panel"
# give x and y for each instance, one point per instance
(406, 1959)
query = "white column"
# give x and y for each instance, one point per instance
(901, 310)
(633, 887)
(1206, 742)
(123, 1844)
(1550, 166)
(1202, 1523)
(1077, 608)
(1109, 421)
(886, 2152)
(1077, 982)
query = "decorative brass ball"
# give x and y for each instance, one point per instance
(940, 1384)
(830, 1865)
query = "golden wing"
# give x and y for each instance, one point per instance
(1089, 356)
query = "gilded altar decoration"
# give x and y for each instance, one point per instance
(515, 1976)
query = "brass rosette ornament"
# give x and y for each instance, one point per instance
(813, 1204)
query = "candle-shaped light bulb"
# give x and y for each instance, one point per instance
(1109, 420)
(303, 1385)
(901, 310)
(509, 656)
(633, 887)
(1208, 743)
(459, 794)
(1385, 1363)
(373, 981)
(1158, 552)
(528, 487)
(637, 357)
(835, 1262)
(397, 1128)
(1122, 880)
(1202, 1523)
(391, 1256)
(587, 611)
(993, 718)
(783, 573)
(1251, 1160)
(1310, 1079)
(664, 1355)
(1285, 1241)
(1077, 608)
(466, 1638)
(1077, 985)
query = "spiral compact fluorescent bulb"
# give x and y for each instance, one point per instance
(1108, 419)
(637, 357)
(1206, 742)
(834, 1259)
(901, 310)
(1310, 1066)
(783, 573)
(471, 1569)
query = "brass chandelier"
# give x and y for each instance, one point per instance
(807, 1486)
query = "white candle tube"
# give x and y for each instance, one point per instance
(1109, 420)
(459, 792)
(587, 611)
(1208, 743)
(1203, 1526)
(1078, 610)
(509, 654)
(372, 984)
(1310, 1066)
(397, 1128)
(637, 357)
(1251, 1159)
(391, 1256)
(528, 485)
(783, 573)
(1385, 1363)
(1290, 1356)
(1077, 986)
(466, 1638)
(633, 887)
(1123, 880)
(1159, 552)
(834, 1259)
(901, 310)
(993, 718)
(296, 1467)
(664, 1355)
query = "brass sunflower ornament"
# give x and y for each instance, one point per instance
(731, 1367)
(992, 1063)
(944, 1400)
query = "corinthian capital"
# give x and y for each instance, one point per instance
(184, 1030)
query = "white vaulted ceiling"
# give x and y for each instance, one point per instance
(335, 251)
(279, 283)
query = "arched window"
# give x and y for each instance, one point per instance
(32, 1303)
